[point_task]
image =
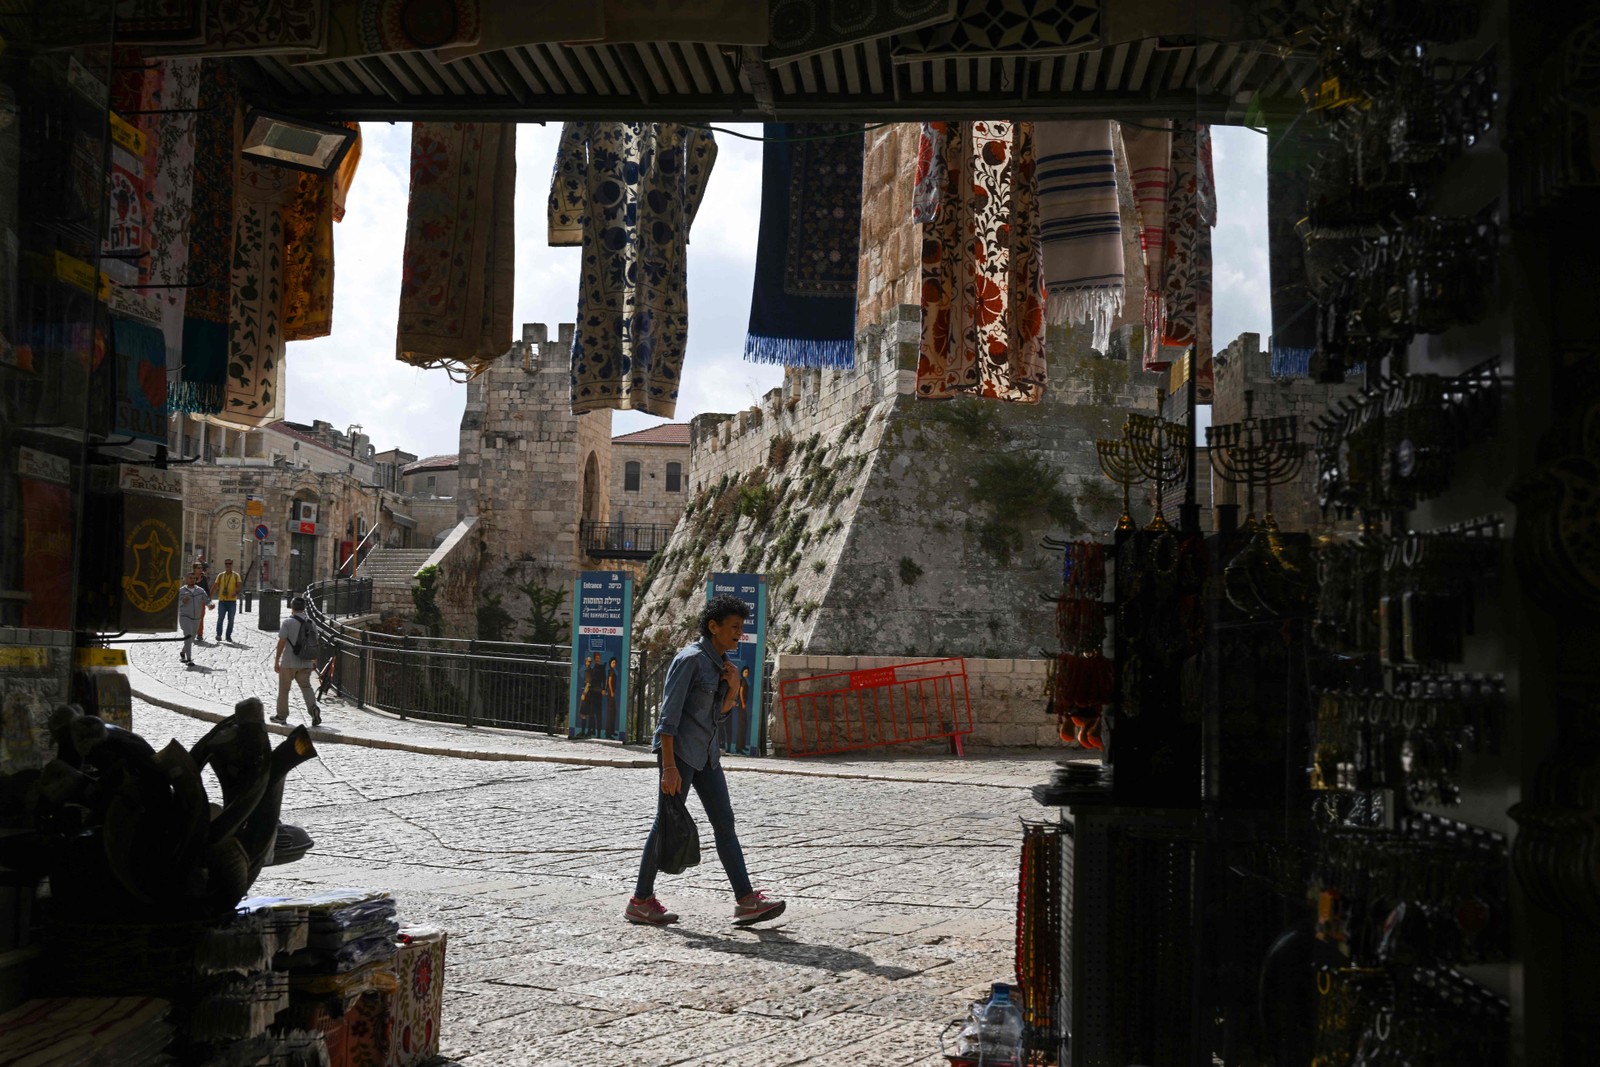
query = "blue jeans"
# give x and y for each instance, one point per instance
(225, 610)
(711, 786)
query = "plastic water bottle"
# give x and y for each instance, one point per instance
(993, 1034)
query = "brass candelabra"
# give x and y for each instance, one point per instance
(1256, 451)
(1160, 449)
(1116, 463)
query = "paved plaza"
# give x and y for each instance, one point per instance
(900, 877)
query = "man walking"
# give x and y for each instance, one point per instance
(291, 667)
(699, 691)
(191, 613)
(225, 588)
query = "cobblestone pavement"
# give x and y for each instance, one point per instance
(901, 905)
(227, 673)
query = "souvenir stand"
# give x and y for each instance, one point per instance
(1343, 774)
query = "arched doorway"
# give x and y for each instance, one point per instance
(591, 489)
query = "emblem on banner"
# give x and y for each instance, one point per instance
(153, 585)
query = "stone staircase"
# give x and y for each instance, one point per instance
(393, 573)
(391, 566)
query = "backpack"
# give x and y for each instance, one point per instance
(307, 643)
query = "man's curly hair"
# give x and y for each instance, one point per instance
(718, 608)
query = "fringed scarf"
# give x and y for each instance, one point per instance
(803, 308)
(1191, 212)
(1294, 313)
(982, 267)
(455, 291)
(203, 384)
(1080, 224)
(1149, 150)
(141, 367)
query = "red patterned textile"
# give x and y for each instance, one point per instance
(982, 263)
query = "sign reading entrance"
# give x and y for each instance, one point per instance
(601, 620)
(743, 731)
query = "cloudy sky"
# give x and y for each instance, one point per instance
(352, 376)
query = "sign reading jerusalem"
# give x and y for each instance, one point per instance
(601, 618)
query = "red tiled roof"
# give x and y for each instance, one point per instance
(668, 433)
(433, 463)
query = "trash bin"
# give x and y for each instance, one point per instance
(248, 594)
(271, 605)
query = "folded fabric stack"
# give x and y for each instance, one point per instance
(342, 982)
(78, 1032)
(243, 990)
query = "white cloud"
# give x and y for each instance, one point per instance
(1241, 292)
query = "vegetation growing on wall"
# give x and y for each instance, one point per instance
(910, 571)
(493, 619)
(425, 598)
(544, 603)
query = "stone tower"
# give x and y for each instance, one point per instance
(531, 471)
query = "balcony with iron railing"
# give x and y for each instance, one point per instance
(622, 540)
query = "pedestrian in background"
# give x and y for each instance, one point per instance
(198, 572)
(291, 666)
(191, 613)
(700, 689)
(226, 590)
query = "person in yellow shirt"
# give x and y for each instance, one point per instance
(225, 587)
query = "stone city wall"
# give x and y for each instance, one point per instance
(1007, 695)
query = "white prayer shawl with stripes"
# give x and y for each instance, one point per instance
(1080, 225)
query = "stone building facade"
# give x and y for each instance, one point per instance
(317, 498)
(431, 478)
(650, 475)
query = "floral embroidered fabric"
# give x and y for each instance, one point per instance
(459, 266)
(255, 328)
(982, 265)
(628, 193)
(1191, 212)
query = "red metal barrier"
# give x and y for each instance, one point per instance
(922, 701)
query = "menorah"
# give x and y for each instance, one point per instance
(1255, 452)
(1117, 463)
(1160, 449)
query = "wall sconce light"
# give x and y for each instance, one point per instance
(297, 143)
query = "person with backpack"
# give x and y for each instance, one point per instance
(295, 659)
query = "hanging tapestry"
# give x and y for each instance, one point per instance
(1148, 146)
(1294, 312)
(455, 288)
(89, 21)
(255, 328)
(141, 365)
(719, 21)
(802, 28)
(203, 384)
(1017, 27)
(167, 98)
(361, 28)
(1191, 212)
(803, 308)
(316, 204)
(1080, 225)
(257, 28)
(123, 245)
(503, 26)
(982, 268)
(628, 193)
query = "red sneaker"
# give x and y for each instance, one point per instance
(648, 912)
(757, 907)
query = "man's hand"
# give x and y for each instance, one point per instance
(730, 678)
(671, 781)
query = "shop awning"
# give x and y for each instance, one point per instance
(403, 520)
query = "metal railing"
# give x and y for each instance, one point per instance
(622, 540)
(341, 596)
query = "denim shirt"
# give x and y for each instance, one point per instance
(690, 702)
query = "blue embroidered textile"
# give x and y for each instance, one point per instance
(803, 307)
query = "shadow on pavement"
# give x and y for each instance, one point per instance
(202, 669)
(778, 945)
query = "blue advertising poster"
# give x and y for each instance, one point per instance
(601, 621)
(744, 728)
